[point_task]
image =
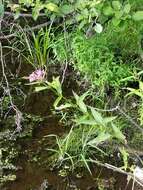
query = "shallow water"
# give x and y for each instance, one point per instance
(32, 176)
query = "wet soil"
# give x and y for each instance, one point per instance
(31, 175)
(34, 176)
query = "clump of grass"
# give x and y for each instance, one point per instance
(34, 49)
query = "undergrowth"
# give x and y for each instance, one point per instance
(99, 44)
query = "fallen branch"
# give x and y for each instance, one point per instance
(119, 170)
(18, 114)
(7, 13)
(26, 30)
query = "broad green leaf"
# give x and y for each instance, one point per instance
(119, 14)
(82, 106)
(67, 9)
(79, 17)
(55, 84)
(80, 103)
(127, 8)
(82, 24)
(116, 21)
(137, 16)
(81, 119)
(97, 116)
(85, 121)
(102, 137)
(118, 134)
(109, 119)
(116, 5)
(52, 7)
(98, 28)
(76, 97)
(108, 11)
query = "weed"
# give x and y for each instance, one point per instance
(35, 50)
(89, 133)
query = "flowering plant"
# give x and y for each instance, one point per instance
(37, 75)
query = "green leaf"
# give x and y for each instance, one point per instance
(141, 86)
(102, 137)
(137, 16)
(85, 121)
(116, 21)
(80, 103)
(118, 14)
(98, 28)
(116, 5)
(134, 91)
(127, 8)
(57, 101)
(67, 9)
(28, 3)
(82, 106)
(52, 7)
(86, 164)
(40, 88)
(108, 11)
(97, 116)
(56, 85)
(1, 9)
(82, 24)
(109, 119)
(36, 10)
(125, 156)
(118, 134)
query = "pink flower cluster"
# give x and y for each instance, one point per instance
(36, 75)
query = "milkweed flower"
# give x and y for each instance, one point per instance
(36, 75)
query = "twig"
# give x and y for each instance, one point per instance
(130, 119)
(26, 30)
(115, 169)
(18, 114)
(66, 45)
(22, 14)
(108, 110)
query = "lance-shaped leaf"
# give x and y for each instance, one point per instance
(97, 116)
(118, 134)
(102, 137)
(80, 101)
